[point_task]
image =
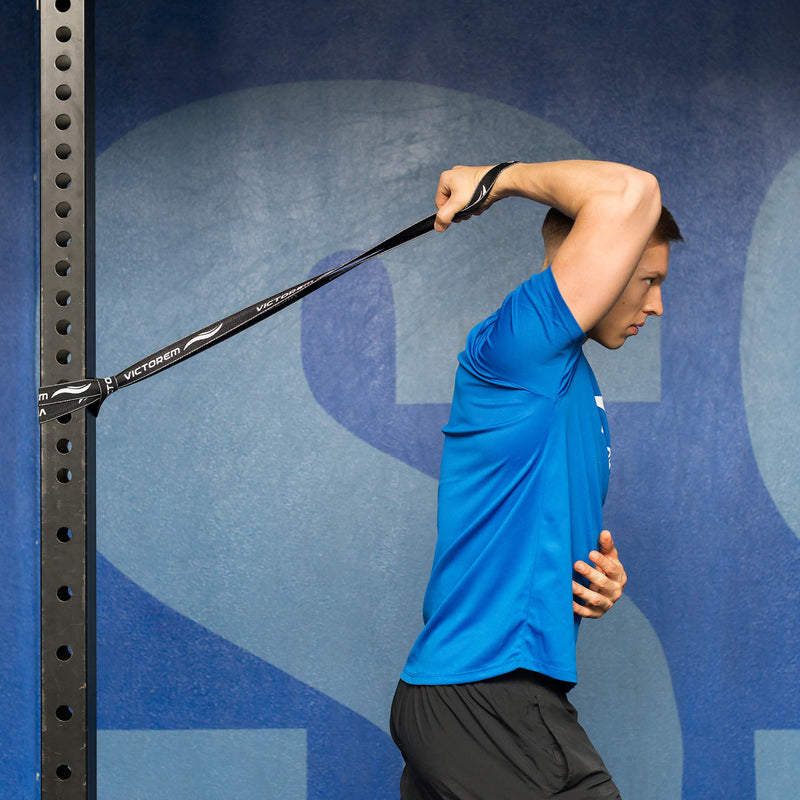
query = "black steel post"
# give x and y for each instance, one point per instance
(67, 353)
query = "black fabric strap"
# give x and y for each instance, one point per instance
(61, 399)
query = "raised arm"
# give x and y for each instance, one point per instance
(615, 208)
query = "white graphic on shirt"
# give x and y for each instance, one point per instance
(598, 399)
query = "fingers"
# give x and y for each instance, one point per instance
(606, 573)
(445, 200)
(607, 547)
(606, 543)
(444, 217)
(609, 566)
(608, 558)
(448, 203)
(603, 591)
(600, 582)
(455, 190)
(606, 579)
(588, 603)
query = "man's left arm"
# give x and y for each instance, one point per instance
(606, 578)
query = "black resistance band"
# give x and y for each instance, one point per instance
(64, 398)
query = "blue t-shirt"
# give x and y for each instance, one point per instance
(524, 476)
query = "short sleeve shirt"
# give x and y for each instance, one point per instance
(524, 475)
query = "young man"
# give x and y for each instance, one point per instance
(481, 711)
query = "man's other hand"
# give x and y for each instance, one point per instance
(606, 578)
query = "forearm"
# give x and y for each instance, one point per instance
(597, 192)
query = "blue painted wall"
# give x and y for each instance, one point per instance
(265, 511)
(19, 442)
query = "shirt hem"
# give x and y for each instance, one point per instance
(470, 676)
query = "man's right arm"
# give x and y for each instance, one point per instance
(615, 208)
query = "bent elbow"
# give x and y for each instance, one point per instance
(643, 196)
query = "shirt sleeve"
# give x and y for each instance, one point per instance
(532, 341)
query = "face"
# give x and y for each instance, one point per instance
(640, 299)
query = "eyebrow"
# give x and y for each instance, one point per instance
(654, 272)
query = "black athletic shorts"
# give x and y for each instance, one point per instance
(514, 737)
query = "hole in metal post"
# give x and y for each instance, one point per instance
(64, 713)
(63, 63)
(63, 772)
(63, 34)
(64, 475)
(63, 238)
(63, 5)
(64, 357)
(63, 326)
(63, 298)
(64, 653)
(63, 268)
(64, 420)
(63, 151)
(63, 122)
(64, 593)
(64, 535)
(63, 180)
(63, 210)
(63, 92)
(64, 446)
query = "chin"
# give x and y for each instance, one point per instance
(608, 343)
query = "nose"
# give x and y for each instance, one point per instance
(653, 304)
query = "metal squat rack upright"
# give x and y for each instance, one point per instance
(67, 446)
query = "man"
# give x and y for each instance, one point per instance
(481, 711)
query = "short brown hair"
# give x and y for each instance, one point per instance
(666, 229)
(556, 226)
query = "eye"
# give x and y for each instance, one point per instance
(649, 281)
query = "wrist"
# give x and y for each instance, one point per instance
(508, 182)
